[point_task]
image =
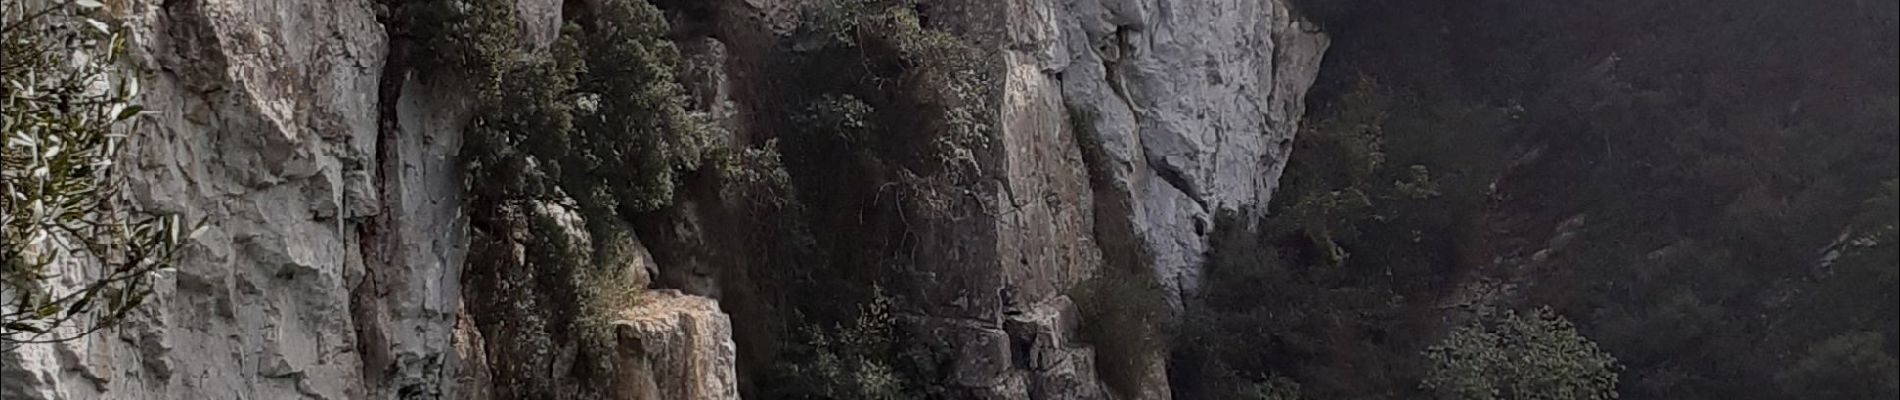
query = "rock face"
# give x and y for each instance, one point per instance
(331, 267)
(1194, 105)
(263, 117)
(674, 346)
(264, 123)
(1125, 125)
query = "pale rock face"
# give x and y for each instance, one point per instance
(263, 121)
(260, 111)
(1194, 105)
(1187, 109)
(674, 346)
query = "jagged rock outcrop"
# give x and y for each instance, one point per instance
(674, 346)
(1194, 105)
(1124, 127)
(266, 121)
(262, 123)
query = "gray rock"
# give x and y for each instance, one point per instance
(673, 346)
(1194, 105)
(263, 122)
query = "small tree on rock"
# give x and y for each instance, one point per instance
(1536, 356)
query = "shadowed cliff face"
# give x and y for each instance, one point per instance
(1117, 130)
(1107, 133)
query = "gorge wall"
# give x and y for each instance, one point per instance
(332, 267)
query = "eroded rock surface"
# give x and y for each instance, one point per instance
(1194, 105)
(263, 121)
(674, 346)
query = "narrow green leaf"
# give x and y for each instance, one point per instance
(129, 112)
(24, 327)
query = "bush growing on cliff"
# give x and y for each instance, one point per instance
(1124, 317)
(845, 362)
(470, 39)
(1535, 356)
(885, 120)
(75, 254)
(570, 142)
(926, 92)
(1320, 291)
(633, 134)
(599, 117)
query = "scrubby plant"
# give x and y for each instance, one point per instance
(1277, 388)
(1854, 365)
(929, 90)
(1124, 318)
(1534, 356)
(470, 39)
(755, 176)
(76, 255)
(633, 134)
(849, 361)
(886, 120)
(569, 143)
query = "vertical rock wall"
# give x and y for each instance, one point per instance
(1123, 126)
(1194, 105)
(263, 121)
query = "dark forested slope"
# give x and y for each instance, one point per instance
(1705, 188)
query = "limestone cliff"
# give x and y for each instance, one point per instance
(332, 266)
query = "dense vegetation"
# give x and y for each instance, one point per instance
(1704, 188)
(565, 145)
(886, 120)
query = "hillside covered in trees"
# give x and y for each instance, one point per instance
(1705, 189)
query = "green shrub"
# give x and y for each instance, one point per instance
(1124, 317)
(470, 39)
(593, 126)
(926, 96)
(1278, 388)
(1536, 356)
(598, 117)
(1855, 365)
(845, 362)
(756, 178)
(633, 133)
(885, 122)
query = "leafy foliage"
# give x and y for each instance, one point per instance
(845, 362)
(881, 121)
(1321, 293)
(1721, 152)
(599, 118)
(566, 146)
(1849, 366)
(470, 39)
(1124, 317)
(1273, 389)
(65, 217)
(633, 132)
(1536, 356)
